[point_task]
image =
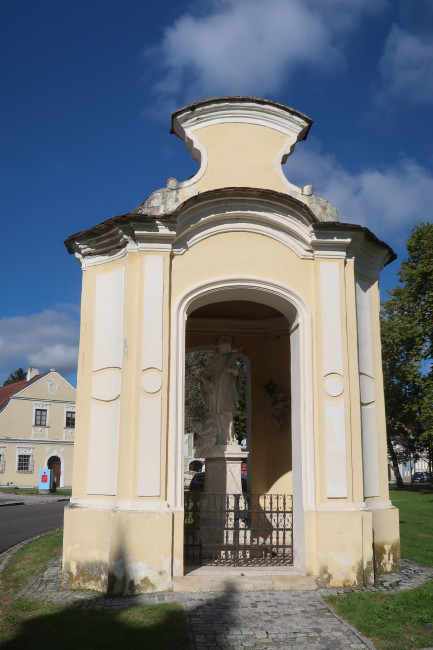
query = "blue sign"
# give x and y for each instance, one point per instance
(44, 479)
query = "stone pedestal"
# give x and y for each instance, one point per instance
(223, 469)
(223, 480)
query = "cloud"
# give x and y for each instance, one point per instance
(406, 68)
(252, 47)
(388, 200)
(45, 340)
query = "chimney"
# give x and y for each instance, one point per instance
(32, 372)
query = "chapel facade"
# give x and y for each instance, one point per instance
(238, 251)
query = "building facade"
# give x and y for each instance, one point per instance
(235, 250)
(37, 429)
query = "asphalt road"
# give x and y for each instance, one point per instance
(20, 522)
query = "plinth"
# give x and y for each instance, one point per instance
(223, 469)
(223, 488)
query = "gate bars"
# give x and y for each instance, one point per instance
(238, 529)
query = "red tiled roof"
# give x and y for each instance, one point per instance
(11, 389)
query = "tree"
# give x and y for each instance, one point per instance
(16, 375)
(407, 351)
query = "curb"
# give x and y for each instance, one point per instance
(356, 632)
(44, 501)
(4, 557)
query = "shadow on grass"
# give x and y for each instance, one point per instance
(165, 626)
(420, 488)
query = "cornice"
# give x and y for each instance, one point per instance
(30, 442)
(353, 242)
(266, 212)
(264, 326)
(134, 232)
(251, 110)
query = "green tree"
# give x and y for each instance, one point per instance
(16, 375)
(407, 351)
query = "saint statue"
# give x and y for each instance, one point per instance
(219, 386)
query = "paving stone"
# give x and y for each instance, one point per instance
(260, 620)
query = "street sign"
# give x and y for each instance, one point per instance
(44, 479)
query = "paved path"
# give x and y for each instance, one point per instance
(260, 620)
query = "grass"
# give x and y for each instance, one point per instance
(416, 523)
(399, 621)
(18, 490)
(31, 625)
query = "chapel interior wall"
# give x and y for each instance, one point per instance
(270, 461)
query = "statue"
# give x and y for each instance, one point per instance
(219, 386)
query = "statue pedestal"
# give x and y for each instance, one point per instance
(223, 469)
(217, 505)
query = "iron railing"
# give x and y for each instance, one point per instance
(238, 529)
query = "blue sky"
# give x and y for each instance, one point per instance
(88, 88)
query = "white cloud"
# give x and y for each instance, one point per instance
(45, 340)
(406, 68)
(253, 46)
(388, 200)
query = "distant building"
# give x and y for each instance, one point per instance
(37, 426)
(407, 467)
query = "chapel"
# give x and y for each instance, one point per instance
(260, 273)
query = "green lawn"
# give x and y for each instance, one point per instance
(416, 523)
(404, 620)
(31, 625)
(18, 490)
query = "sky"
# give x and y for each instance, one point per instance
(87, 91)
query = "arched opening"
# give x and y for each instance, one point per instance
(55, 465)
(259, 521)
(297, 315)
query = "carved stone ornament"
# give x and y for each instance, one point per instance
(280, 404)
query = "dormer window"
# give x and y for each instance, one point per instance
(40, 417)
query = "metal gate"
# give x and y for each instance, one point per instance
(238, 529)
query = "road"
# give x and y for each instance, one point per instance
(20, 522)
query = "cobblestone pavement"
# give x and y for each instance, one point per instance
(261, 620)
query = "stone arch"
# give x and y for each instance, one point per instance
(297, 311)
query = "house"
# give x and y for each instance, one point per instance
(409, 465)
(37, 427)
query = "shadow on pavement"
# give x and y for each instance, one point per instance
(95, 623)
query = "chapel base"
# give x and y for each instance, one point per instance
(122, 551)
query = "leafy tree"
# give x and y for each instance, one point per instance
(407, 350)
(16, 375)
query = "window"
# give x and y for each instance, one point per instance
(70, 419)
(2, 462)
(24, 463)
(41, 417)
